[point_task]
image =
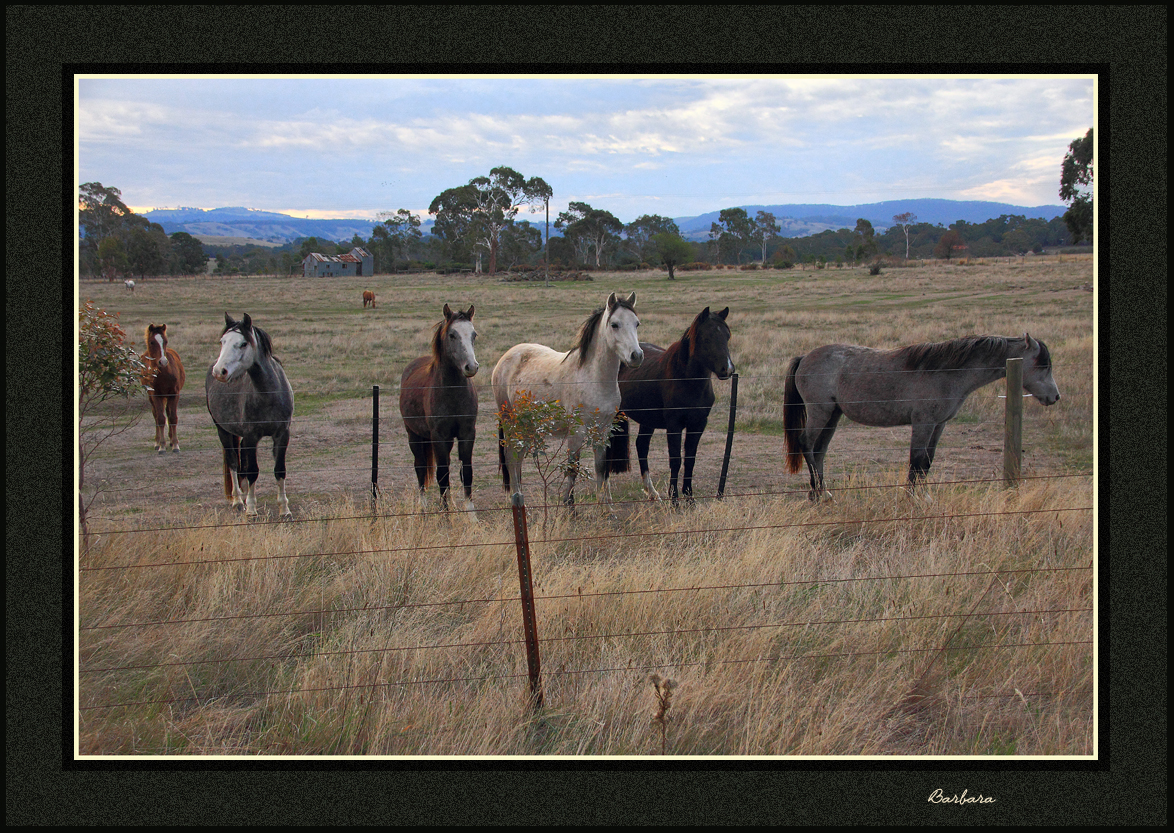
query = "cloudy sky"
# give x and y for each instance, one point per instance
(678, 146)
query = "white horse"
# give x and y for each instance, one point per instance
(130, 285)
(584, 377)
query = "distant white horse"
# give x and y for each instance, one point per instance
(584, 377)
(130, 285)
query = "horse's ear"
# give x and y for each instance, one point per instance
(704, 314)
(447, 313)
(632, 299)
(722, 315)
(228, 322)
(612, 301)
(1028, 341)
(470, 312)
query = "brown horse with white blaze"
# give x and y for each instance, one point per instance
(163, 376)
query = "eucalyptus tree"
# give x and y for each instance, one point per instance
(484, 207)
(764, 228)
(394, 235)
(593, 229)
(639, 235)
(1076, 179)
(731, 233)
(905, 222)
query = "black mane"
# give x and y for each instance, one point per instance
(587, 331)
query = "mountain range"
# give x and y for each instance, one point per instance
(796, 220)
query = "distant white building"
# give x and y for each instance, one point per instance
(356, 262)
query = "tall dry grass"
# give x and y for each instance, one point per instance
(877, 625)
(886, 626)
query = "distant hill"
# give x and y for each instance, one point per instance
(256, 225)
(795, 220)
(804, 220)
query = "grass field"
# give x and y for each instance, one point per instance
(388, 632)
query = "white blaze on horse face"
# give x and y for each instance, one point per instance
(237, 355)
(622, 337)
(162, 349)
(461, 337)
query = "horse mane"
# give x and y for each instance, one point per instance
(954, 354)
(587, 331)
(438, 334)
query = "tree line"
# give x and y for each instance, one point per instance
(480, 227)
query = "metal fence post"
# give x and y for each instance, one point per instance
(721, 484)
(1013, 425)
(374, 442)
(525, 579)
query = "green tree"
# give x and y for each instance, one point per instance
(905, 222)
(485, 206)
(764, 228)
(1076, 179)
(592, 229)
(672, 250)
(950, 244)
(639, 235)
(394, 236)
(188, 252)
(731, 233)
(866, 239)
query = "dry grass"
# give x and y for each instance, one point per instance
(875, 625)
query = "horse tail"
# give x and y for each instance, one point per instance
(794, 418)
(618, 459)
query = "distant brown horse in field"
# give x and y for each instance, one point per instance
(368, 298)
(164, 377)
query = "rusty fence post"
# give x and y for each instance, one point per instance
(721, 484)
(1013, 425)
(529, 618)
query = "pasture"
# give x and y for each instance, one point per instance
(954, 623)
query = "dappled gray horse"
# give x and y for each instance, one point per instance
(922, 385)
(249, 397)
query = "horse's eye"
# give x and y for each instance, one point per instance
(615, 326)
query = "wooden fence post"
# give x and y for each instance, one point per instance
(1013, 425)
(374, 442)
(525, 579)
(721, 484)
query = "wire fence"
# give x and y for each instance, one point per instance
(209, 458)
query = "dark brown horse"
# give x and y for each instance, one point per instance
(672, 390)
(368, 298)
(439, 404)
(164, 377)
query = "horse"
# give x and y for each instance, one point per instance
(130, 285)
(163, 376)
(672, 390)
(585, 377)
(368, 298)
(922, 385)
(439, 404)
(249, 397)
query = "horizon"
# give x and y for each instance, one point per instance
(350, 147)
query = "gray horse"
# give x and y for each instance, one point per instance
(922, 385)
(249, 397)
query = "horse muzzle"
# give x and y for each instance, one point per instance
(471, 370)
(636, 359)
(727, 371)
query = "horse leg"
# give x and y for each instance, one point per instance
(420, 447)
(602, 487)
(280, 444)
(441, 452)
(921, 451)
(173, 418)
(465, 453)
(819, 447)
(643, 442)
(249, 472)
(692, 440)
(674, 438)
(157, 411)
(232, 457)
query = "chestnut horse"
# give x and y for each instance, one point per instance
(368, 298)
(164, 377)
(672, 390)
(439, 404)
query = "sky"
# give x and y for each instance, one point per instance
(676, 145)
